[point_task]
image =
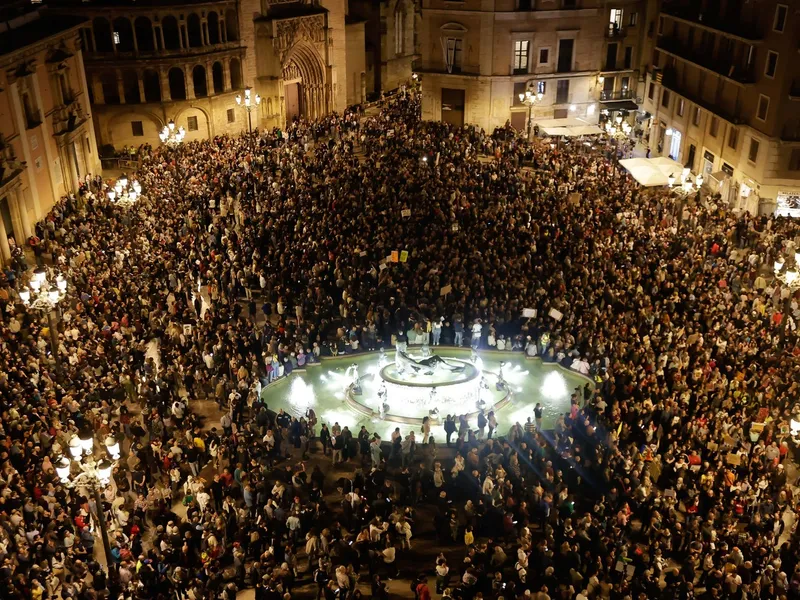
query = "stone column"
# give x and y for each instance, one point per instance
(111, 27)
(181, 30)
(120, 87)
(140, 77)
(135, 41)
(210, 90)
(92, 41)
(222, 32)
(19, 214)
(189, 81)
(161, 37)
(163, 78)
(204, 32)
(226, 74)
(5, 249)
(97, 89)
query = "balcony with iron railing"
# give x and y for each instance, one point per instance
(611, 96)
(669, 79)
(694, 15)
(166, 53)
(706, 60)
(615, 31)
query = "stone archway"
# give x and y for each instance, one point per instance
(304, 85)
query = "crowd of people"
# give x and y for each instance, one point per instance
(252, 256)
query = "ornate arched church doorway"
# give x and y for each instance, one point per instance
(304, 89)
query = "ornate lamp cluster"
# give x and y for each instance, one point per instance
(618, 127)
(786, 267)
(172, 136)
(124, 191)
(81, 469)
(41, 293)
(687, 185)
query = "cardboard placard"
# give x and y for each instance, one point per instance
(556, 314)
(382, 266)
(363, 253)
(395, 256)
(406, 212)
(404, 256)
(733, 459)
(529, 313)
(445, 290)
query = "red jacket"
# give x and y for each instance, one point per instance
(423, 593)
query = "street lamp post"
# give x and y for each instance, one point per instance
(249, 102)
(43, 296)
(172, 136)
(529, 98)
(124, 191)
(82, 471)
(684, 190)
(788, 273)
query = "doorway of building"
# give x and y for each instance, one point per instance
(5, 215)
(453, 106)
(518, 119)
(675, 145)
(291, 94)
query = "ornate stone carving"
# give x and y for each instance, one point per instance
(289, 31)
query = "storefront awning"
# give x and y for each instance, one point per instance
(652, 172)
(619, 105)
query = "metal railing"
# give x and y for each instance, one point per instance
(617, 95)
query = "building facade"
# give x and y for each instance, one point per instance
(47, 139)
(723, 92)
(152, 61)
(477, 56)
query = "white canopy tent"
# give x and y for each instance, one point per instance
(652, 172)
(568, 127)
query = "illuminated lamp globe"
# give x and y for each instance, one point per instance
(53, 295)
(104, 471)
(25, 295)
(112, 445)
(63, 469)
(75, 447)
(87, 442)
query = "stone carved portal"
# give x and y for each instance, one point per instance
(300, 43)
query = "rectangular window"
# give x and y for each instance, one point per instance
(634, 19)
(191, 123)
(696, 116)
(562, 91)
(628, 56)
(544, 56)
(752, 156)
(780, 18)
(681, 106)
(521, 56)
(665, 98)
(733, 138)
(565, 48)
(615, 18)
(541, 87)
(453, 50)
(231, 115)
(651, 91)
(660, 25)
(34, 142)
(116, 38)
(794, 160)
(625, 83)
(763, 107)
(519, 89)
(137, 128)
(772, 64)
(714, 127)
(726, 168)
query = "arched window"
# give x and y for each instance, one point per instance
(172, 37)
(194, 31)
(102, 35)
(123, 34)
(400, 15)
(199, 81)
(177, 84)
(152, 86)
(218, 76)
(231, 25)
(143, 28)
(130, 84)
(108, 80)
(236, 74)
(213, 28)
